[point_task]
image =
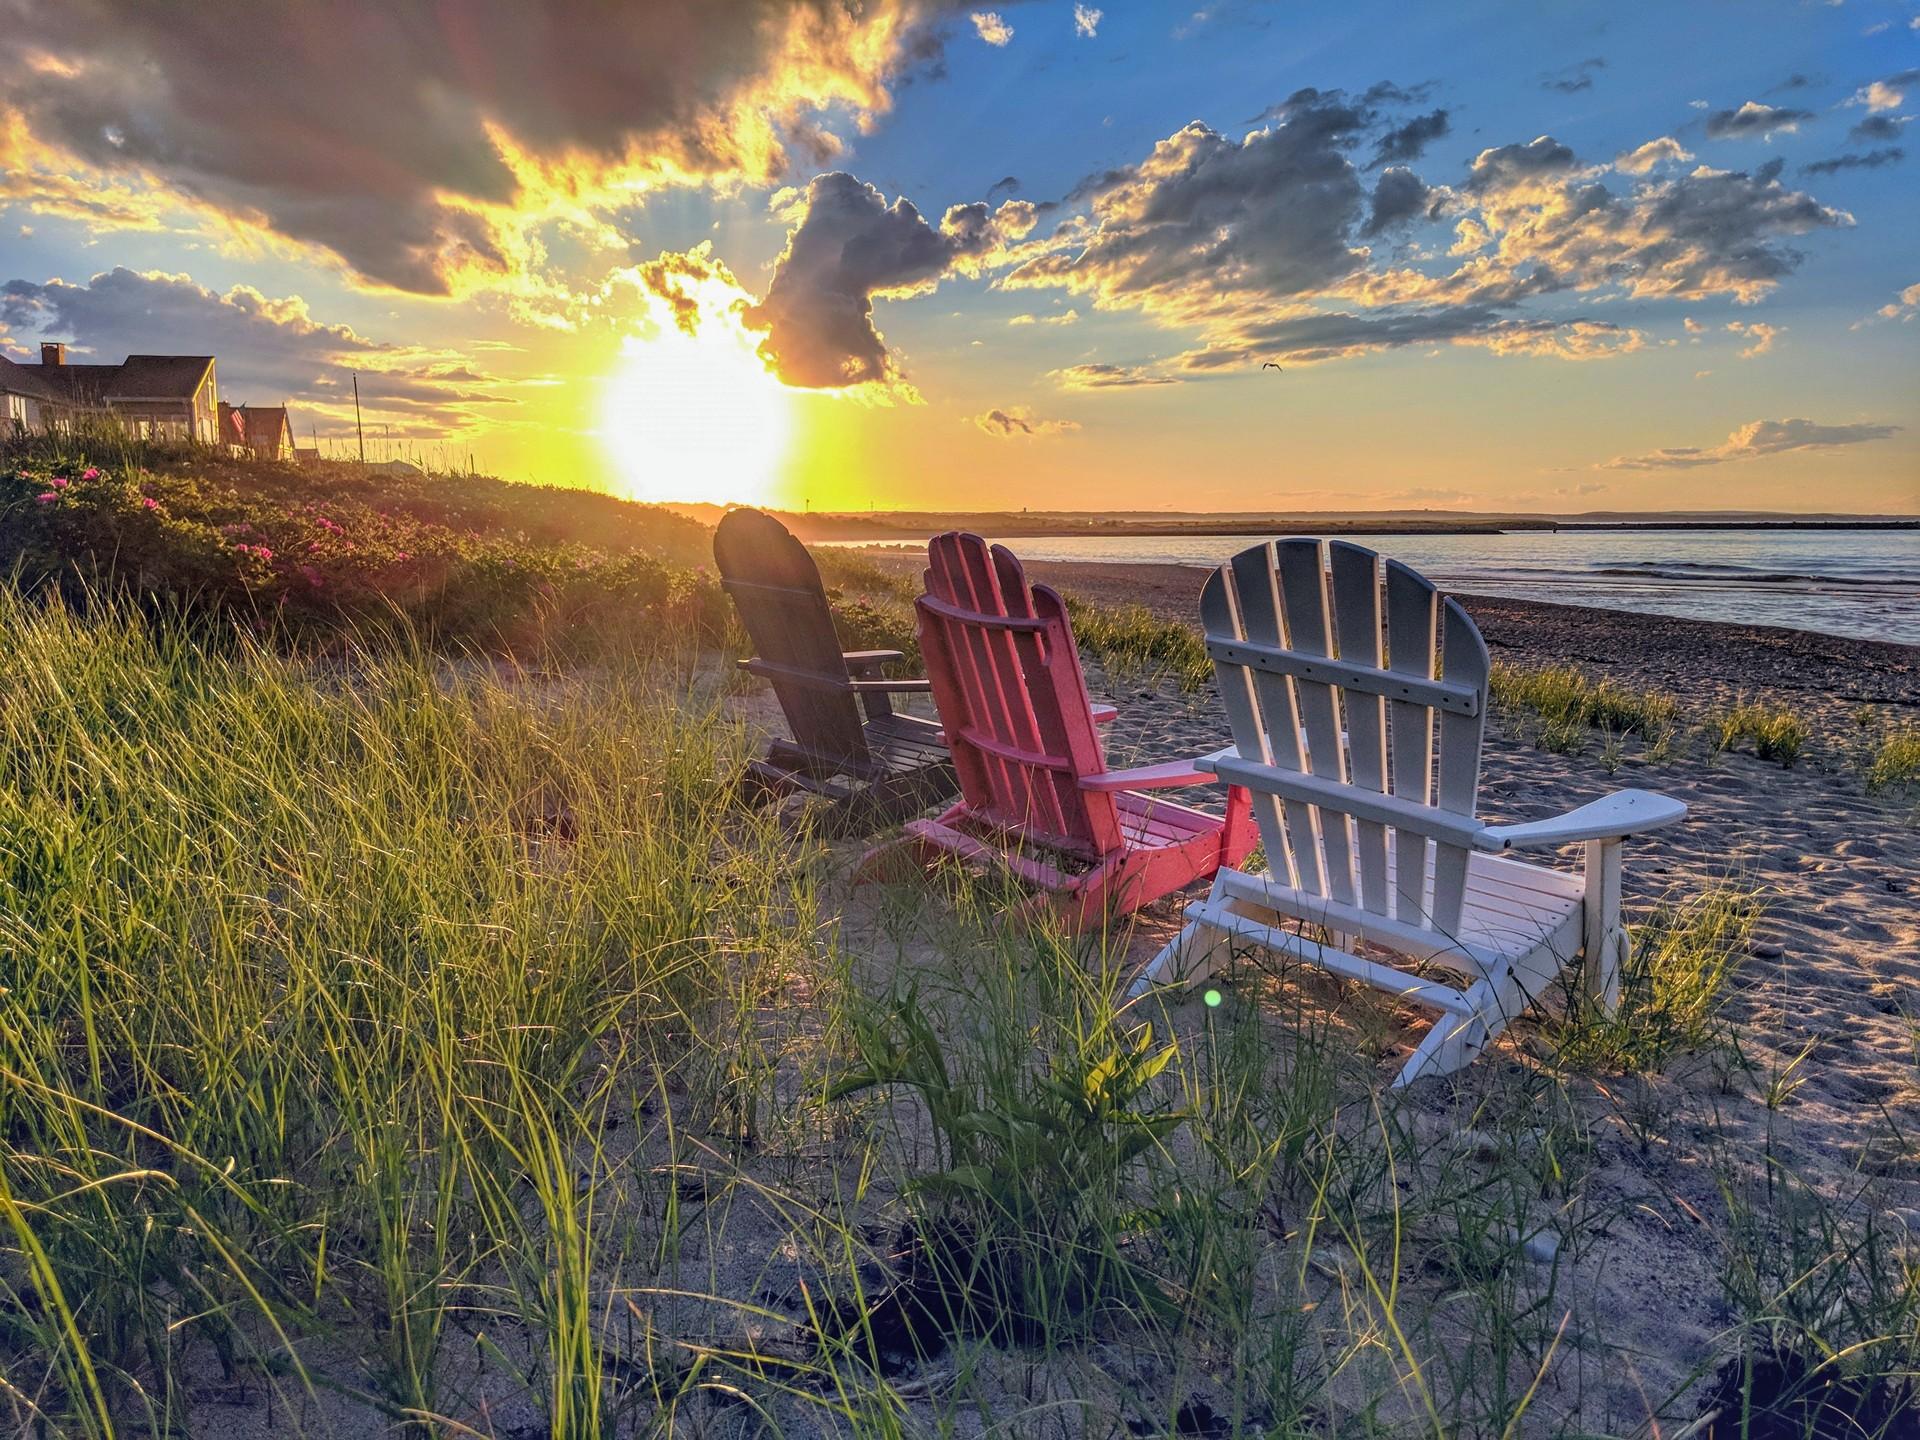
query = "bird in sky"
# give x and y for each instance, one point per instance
(1271, 366)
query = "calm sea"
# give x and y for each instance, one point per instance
(1862, 583)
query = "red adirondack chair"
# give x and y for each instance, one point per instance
(1037, 798)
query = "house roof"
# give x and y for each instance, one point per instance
(160, 377)
(140, 377)
(18, 379)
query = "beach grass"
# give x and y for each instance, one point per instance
(428, 1039)
(1896, 760)
(1568, 703)
(1774, 731)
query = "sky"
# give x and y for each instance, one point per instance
(908, 254)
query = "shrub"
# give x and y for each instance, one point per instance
(457, 559)
(1776, 732)
(1568, 702)
(1897, 762)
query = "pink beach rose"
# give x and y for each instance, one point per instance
(89, 474)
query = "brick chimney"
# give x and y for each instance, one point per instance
(52, 352)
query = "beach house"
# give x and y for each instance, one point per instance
(153, 396)
(264, 430)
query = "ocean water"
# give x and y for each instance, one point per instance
(1860, 583)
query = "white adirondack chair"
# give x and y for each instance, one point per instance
(1357, 695)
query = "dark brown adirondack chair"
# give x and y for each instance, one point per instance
(849, 746)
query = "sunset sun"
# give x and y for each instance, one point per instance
(696, 417)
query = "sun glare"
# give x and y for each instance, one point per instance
(696, 417)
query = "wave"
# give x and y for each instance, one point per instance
(1698, 571)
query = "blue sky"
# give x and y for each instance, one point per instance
(552, 240)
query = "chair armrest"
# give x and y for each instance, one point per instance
(1149, 777)
(1104, 714)
(889, 687)
(863, 659)
(1623, 813)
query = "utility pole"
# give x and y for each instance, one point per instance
(356, 418)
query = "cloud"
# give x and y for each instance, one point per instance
(1018, 422)
(1086, 21)
(1760, 337)
(1066, 317)
(991, 28)
(1410, 141)
(849, 245)
(1879, 127)
(1252, 244)
(428, 146)
(1760, 437)
(1904, 306)
(269, 349)
(1574, 78)
(1102, 376)
(1887, 94)
(1204, 217)
(1694, 327)
(1306, 339)
(1400, 195)
(1654, 152)
(1755, 120)
(1872, 160)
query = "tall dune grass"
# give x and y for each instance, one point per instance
(420, 1045)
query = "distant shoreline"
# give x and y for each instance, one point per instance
(851, 529)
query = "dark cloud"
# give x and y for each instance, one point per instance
(1753, 120)
(1872, 160)
(1410, 141)
(1399, 195)
(418, 142)
(1759, 437)
(1795, 81)
(268, 349)
(1877, 128)
(849, 246)
(1387, 93)
(1005, 185)
(1504, 165)
(1205, 216)
(1308, 338)
(1574, 78)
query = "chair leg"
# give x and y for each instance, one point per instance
(1190, 956)
(1605, 938)
(1455, 1041)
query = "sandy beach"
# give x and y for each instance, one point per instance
(1825, 1087)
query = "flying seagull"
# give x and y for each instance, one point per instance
(1271, 366)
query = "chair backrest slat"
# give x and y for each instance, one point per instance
(1342, 613)
(776, 589)
(1279, 720)
(1464, 661)
(1303, 594)
(1411, 608)
(1012, 699)
(1356, 604)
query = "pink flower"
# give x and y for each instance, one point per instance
(403, 555)
(46, 498)
(263, 552)
(59, 482)
(90, 473)
(147, 502)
